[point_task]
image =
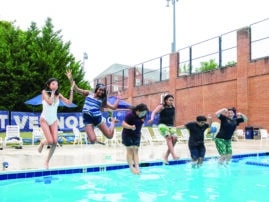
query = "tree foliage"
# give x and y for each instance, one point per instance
(207, 66)
(28, 59)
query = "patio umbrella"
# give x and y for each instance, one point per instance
(37, 100)
(122, 104)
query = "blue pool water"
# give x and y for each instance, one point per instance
(245, 179)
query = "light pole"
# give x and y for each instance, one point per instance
(173, 2)
(85, 57)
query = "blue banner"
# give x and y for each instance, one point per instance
(26, 120)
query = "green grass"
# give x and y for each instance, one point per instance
(23, 134)
(29, 134)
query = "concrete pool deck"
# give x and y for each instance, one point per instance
(97, 154)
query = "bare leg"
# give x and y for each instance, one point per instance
(228, 158)
(221, 159)
(51, 152)
(194, 163)
(51, 134)
(108, 132)
(130, 160)
(89, 129)
(200, 161)
(41, 145)
(136, 159)
(166, 156)
(171, 141)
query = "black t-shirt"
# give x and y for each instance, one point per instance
(132, 119)
(196, 133)
(227, 127)
(167, 116)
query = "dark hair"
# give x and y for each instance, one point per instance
(167, 97)
(140, 107)
(201, 118)
(104, 97)
(99, 85)
(47, 84)
(234, 110)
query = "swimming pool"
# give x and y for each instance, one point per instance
(245, 179)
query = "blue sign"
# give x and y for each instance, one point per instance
(26, 120)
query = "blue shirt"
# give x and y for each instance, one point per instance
(92, 105)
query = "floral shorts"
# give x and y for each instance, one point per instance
(223, 146)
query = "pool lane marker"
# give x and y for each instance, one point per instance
(257, 163)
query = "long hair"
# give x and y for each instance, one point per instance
(47, 86)
(166, 98)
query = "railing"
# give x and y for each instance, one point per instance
(259, 39)
(222, 50)
(152, 71)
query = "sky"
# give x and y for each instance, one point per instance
(130, 32)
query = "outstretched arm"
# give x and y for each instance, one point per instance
(76, 88)
(209, 119)
(115, 105)
(70, 100)
(154, 112)
(181, 127)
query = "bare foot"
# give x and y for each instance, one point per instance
(40, 147)
(175, 157)
(135, 171)
(165, 161)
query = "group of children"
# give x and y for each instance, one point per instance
(96, 101)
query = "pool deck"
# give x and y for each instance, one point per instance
(97, 154)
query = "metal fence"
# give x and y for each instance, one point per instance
(216, 52)
(220, 51)
(259, 39)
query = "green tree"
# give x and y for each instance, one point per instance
(28, 59)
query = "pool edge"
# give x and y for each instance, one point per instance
(102, 168)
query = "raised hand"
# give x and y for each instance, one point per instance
(69, 74)
(119, 95)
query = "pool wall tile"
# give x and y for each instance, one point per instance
(102, 168)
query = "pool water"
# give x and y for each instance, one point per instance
(243, 180)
